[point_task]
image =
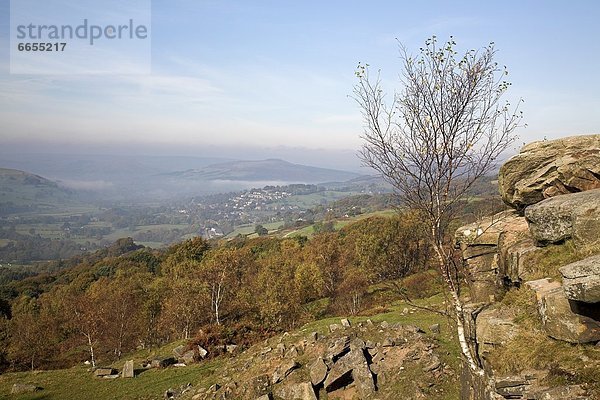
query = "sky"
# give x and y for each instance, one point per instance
(272, 78)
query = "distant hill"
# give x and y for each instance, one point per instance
(264, 170)
(23, 191)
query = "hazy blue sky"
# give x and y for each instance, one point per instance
(278, 73)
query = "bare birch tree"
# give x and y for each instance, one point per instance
(435, 137)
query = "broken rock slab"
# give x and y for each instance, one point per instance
(318, 372)
(295, 391)
(581, 280)
(494, 329)
(284, 370)
(104, 371)
(352, 367)
(559, 316)
(128, 371)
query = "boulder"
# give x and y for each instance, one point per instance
(22, 388)
(283, 370)
(581, 280)
(337, 349)
(493, 329)
(352, 367)
(345, 323)
(231, 348)
(178, 351)
(561, 318)
(104, 371)
(188, 357)
(570, 216)
(162, 362)
(318, 372)
(202, 352)
(128, 371)
(548, 168)
(296, 391)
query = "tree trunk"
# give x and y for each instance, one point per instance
(91, 346)
(458, 310)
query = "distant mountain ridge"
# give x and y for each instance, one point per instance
(264, 170)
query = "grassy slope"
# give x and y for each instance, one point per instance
(77, 383)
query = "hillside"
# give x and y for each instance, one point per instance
(271, 170)
(24, 191)
(402, 343)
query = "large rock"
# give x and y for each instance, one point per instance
(104, 371)
(296, 391)
(581, 280)
(483, 244)
(21, 388)
(563, 319)
(494, 329)
(318, 372)
(548, 168)
(128, 371)
(570, 216)
(352, 367)
(283, 370)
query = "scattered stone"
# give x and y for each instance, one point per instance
(112, 376)
(128, 371)
(314, 336)
(202, 352)
(284, 370)
(266, 350)
(280, 348)
(385, 325)
(230, 348)
(548, 168)
(296, 391)
(318, 372)
(21, 388)
(175, 393)
(387, 342)
(261, 385)
(104, 371)
(179, 365)
(351, 367)
(188, 357)
(433, 365)
(264, 397)
(345, 323)
(370, 344)
(178, 351)
(337, 349)
(435, 328)
(162, 362)
(334, 327)
(581, 280)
